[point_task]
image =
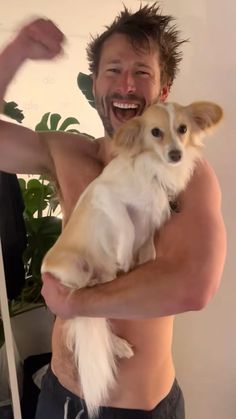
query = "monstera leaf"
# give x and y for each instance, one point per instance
(50, 122)
(85, 84)
(11, 110)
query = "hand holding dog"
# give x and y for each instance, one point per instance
(58, 298)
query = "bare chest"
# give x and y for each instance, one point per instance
(75, 170)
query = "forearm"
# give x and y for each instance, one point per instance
(180, 282)
(152, 290)
(11, 59)
(164, 287)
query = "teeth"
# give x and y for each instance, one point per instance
(125, 105)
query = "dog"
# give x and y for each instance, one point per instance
(112, 227)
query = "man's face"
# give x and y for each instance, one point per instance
(127, 82)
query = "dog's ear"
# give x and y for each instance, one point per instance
(205, 115)
(129, 136)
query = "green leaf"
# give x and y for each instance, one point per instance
(45, 177)
(42, 234)
(35, 197)
(22, 183)
(11, 110)
(68, 121)
(74, 131)
(85, 84)
(49, 190)
(34, 202)
(34, 184)
(54, 120)
(48, 226)
(43, 124)
(87, 135)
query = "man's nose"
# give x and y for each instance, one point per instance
(126, 83)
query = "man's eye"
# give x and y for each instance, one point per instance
(113, 70)
(142, 73)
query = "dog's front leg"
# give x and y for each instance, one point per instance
(147, 251)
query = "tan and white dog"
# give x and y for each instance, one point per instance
(112, 226)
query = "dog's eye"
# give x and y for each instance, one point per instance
(156, 132)
(182, 129)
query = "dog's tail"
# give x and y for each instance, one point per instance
(90, 340)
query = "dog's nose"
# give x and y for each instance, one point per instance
(175, 155)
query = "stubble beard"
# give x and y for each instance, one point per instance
(103, 105)
(102, 110)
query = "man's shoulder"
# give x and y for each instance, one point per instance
(69, 143)
(203, 189)
(66, 150)
(204, 177)
(204, 171)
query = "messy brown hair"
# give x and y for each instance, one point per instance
(145, 28)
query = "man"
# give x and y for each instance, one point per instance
(133, 64)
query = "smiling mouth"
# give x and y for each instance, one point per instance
(125, 111)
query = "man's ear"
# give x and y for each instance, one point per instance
(205, 115)
(129, 136)
(164, 93)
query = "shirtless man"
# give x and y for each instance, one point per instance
(132, 64)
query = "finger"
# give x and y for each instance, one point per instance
(48, 277)
(46, 27)
(50, 282)
(46, 33)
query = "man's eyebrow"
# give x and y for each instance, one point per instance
(113, 61)
(136, 64)
(141, 64)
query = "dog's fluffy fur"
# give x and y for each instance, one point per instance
(113, 224)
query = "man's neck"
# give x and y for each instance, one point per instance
(106, 151)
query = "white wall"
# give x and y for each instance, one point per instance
(204, 342)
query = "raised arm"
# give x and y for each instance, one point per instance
(190, 257)
(23, 150)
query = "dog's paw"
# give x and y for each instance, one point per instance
(122, 348)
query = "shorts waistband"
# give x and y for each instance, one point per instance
(162, 408)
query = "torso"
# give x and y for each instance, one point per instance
(145, 379)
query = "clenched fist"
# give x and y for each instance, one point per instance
(41, 39)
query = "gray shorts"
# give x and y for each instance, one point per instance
(56, 402)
